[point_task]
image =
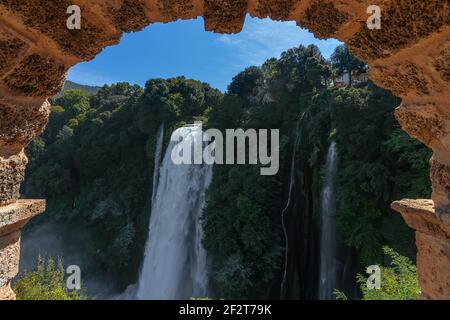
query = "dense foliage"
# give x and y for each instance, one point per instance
(93, 164)
(378, 163)
(242, 220)
(46, 282)
(398, 280)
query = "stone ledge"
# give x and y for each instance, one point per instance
(14, 216)
(420, 215)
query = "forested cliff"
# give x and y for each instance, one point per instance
(94, 166)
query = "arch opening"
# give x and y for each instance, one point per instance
(413, 65)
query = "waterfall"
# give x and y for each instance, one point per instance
(283, 224)
(328, 241)
(174, 264)
(157, 165)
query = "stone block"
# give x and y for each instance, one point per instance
(12, 173)
(20, 122)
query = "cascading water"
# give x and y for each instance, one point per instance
(329, 241)
(285, 231)
(175, 261)
(157, 166)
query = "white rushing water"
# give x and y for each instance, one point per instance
(157, 166)
(174, 264)
(328, 240)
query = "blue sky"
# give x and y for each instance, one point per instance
(184, 48)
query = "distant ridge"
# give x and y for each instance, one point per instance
(70, 85)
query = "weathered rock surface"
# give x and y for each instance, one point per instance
(12, 173)
(9, 260)
(410, 55)
(433, 243)
(12, 218)
(20, 122)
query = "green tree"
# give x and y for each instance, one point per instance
(46, 282)
(301, 69)
(398, 280)
(75, 104)
(344, 62)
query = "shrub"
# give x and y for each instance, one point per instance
(46, 282)
(398, 281)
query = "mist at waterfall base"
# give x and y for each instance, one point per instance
(50, 240)
(175, 262)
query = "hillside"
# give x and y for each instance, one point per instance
(70, 85)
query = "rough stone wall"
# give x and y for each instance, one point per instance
(12, 218)
(410, 55)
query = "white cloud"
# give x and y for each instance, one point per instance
(78, 74)
(264, 38)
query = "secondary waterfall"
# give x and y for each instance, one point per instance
(328, 240)
(283, 225)
(175, 261)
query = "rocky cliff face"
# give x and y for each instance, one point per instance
(410, 56)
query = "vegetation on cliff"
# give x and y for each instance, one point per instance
(398, 279)
(46, 282)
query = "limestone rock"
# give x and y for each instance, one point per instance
(12, 173)
(20, 122)
(433, 243)
(15, 215)
(12, 218)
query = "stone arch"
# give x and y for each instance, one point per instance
(410, 56)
